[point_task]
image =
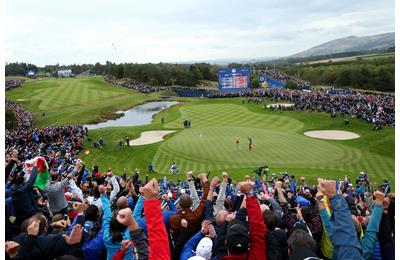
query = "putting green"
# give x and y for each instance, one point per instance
(214, 147)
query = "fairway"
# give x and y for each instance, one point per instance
(73, 101)
(209, 145)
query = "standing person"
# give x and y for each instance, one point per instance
(174, 169)
(150, 168)
(162, 120)
(127, 141)
(237, 144)
(250, 143)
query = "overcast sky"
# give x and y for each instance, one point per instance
(66, 32)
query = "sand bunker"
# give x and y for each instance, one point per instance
(332, 134)
(150, 137)
(282, 104)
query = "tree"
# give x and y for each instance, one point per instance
(291, 85)
(11, 120)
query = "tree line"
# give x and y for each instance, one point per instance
(368, 73)
(372, 74)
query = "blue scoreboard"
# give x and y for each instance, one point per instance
(234, 80)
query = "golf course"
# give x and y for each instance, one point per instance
(209, 144)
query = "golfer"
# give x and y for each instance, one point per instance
(237, 142)
(250, 143)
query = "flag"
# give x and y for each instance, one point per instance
(42, 172)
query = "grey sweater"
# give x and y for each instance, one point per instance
(57, 200)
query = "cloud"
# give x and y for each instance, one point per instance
(152, 31)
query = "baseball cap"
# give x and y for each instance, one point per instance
(237, 237)
(303, 202)
(87, 226)
(204, 248)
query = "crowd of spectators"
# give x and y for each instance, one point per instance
(24, 117)
(375, 108)
(285, 78)
(13, 83)
(133, 84)
(86, 214)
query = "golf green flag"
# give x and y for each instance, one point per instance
(42, 173)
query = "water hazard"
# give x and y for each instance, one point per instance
(138, 115)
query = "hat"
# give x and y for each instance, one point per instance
(196, 257)
(237, 237)
(204, 248)
(87, 226)
(303, 202)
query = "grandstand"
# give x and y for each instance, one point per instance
(279, 79)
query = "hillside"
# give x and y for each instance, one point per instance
(350, 44)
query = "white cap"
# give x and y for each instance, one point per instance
(204, 248)
(196, 257)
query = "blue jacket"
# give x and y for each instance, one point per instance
(189, 249)
(142, 220)
(112, 248)
(344, 237)
(370, 237)
(92, 248)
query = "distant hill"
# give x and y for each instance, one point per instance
(350, 44)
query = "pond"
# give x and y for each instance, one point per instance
(138, 115)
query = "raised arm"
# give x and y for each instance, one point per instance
(346, 244)
(193, 193)
(114, 184)
(198, 213)
(258, 229)
(219, 204)
(107, 214)
(158, 238)
(29, 184)
(136, 233)
(371, 233)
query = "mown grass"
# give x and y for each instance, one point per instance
(209, 144)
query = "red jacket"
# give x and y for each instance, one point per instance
(258, 230)
(157, 234)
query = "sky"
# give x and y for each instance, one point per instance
(76, 32)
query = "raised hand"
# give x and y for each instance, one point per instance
(189, 175)
(125, 245)
(151, 190)
(33, 228)
(246, 186)
(75, 236)
(379, 197)
(203, 177)
(327, 187)
(102, 189)
(125, 218)
(79, 207)
(225, 176)
(214, 182)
